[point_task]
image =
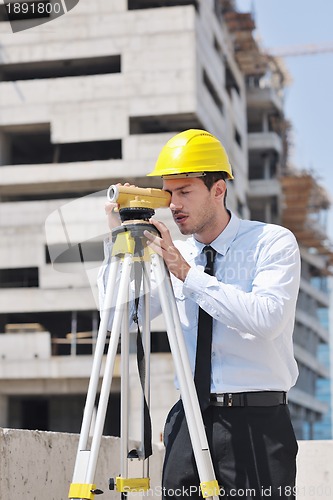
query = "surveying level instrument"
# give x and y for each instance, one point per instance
(134, 197)
(131, 257)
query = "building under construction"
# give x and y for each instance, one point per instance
(90, 103)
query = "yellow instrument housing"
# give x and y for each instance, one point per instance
(135, 197)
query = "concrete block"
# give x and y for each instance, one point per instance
(64, 276)
(19, 300)
(314, 470)
(171, 104)
(57, 375)
(22, 114)
(89, 122)
(144, 147)
(96, 174)
(265, 141)
(24, 346)
(160, 59)
(38, 465)
(22, 249)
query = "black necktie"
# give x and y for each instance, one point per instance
(203, 362)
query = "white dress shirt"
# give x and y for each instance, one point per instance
(252, 299)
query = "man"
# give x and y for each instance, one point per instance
(249, 288)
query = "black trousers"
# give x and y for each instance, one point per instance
(253, 451)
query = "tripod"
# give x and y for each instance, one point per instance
(131, 256)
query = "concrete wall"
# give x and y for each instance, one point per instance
(315, 473)
(38, 465)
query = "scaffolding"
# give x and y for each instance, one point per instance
(248, 54)
(304, 212)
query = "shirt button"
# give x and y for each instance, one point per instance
(213, 354)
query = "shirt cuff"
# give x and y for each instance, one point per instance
(104, 269)
(107, 244)
(196, 283)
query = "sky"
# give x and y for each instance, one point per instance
(309, 98)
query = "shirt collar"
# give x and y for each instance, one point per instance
(222, 243)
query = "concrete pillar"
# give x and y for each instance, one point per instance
(265, 123)
(3, 411)
(266, 173)
(268, 211)
(4, 149)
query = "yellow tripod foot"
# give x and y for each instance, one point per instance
(83, 491)
(210, 489)
(126, 484)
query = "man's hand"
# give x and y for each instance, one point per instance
(163, 245)
(112, 214)
(111, 210)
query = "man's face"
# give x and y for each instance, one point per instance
(191, 204)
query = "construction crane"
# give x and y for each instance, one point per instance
(301, 50)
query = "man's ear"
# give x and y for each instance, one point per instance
(219, 188)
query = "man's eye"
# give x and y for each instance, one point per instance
(185, 192)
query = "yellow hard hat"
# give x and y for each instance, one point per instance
(192, 152)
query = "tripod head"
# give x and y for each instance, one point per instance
(137, 203)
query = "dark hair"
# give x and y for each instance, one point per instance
(211, 177)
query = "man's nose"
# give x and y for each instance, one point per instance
(175, 203)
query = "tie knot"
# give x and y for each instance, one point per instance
(210, 256)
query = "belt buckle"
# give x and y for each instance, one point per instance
(220, 398)
(225, 399)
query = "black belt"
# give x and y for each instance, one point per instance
(261, 398)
